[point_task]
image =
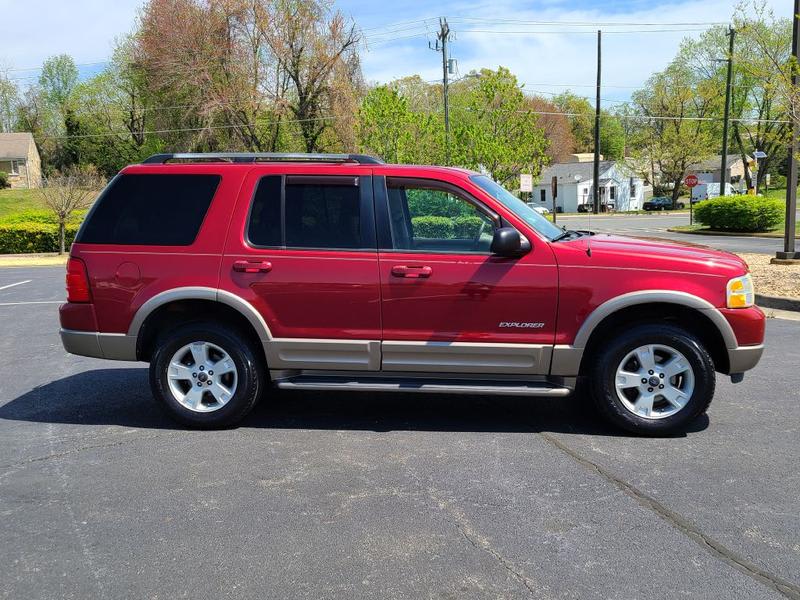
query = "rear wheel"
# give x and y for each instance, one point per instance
(206, 376)
(653, 379)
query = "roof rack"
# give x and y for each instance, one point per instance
(255, 157)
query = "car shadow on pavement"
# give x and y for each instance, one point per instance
(122, 397)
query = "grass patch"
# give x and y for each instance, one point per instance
(13, 202)
(702, 229)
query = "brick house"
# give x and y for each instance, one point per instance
(19, 158)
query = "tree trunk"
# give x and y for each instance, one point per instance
(61, 236)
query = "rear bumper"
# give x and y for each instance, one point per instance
(111, 346)
(744, 358)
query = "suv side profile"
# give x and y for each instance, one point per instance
(235, 273)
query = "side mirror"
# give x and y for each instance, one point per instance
(508, 242)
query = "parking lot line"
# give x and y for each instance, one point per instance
(10, 285)
(36, 302)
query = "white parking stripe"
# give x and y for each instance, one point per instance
(38, 302)
(10, 285)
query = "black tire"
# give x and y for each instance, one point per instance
(251, 378)
(607, 358)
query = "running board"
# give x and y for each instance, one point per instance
(430, 386)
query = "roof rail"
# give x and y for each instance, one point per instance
(255, 157)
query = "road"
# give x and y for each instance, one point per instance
(656, 225)
(382, 496)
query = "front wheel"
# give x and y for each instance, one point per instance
(206, 376)
(653, 379)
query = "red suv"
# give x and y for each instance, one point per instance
(234, 273)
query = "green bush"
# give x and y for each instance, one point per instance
(42, 216)
(433, 227)
(467, 227)
(740, 213)
(23, 238)
(4, 180)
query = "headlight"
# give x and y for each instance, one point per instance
(740, 292)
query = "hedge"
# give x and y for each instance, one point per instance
(740, 213)
(441, 228)
(22, 238)
(467, 227)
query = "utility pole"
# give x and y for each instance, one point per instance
(442, 38)
(791, 180)
(723, 173)
(596, 199)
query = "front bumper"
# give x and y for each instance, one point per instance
(744, 358)
(111, 346)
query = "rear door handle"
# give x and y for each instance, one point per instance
(255, 266)
(412, 272)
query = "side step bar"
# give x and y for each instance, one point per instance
(438, 386)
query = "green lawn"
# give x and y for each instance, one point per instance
(777, 233)
(16, 201)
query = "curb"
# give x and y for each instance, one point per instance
(725, 234)
(778, 303)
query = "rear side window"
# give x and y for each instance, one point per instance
(150, 210)
(320, 212)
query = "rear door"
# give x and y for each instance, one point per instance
(449, 304)
(302, 250)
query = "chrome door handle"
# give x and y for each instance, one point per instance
(412, 272)
(256, 266)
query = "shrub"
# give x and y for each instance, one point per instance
(22, 238)
(433, 227)
(467, 227)
(740, 213)
(41, 216)
(4, 180)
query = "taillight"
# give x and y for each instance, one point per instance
(77, 281)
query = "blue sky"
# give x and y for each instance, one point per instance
(487, 34)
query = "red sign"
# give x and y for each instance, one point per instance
(691, 181)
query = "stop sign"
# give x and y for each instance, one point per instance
(691, 181)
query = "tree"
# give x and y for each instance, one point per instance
(582, 115)
(555, 127)
(493, 129)
(58, 79)
(673, 131)
(9, 101)
(64, 193)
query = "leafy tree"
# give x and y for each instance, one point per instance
(64, 193)
(9, 100)
(582, 115)
(58, 79)
(493, 130)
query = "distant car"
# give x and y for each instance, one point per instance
(539, 209)
(662, 203)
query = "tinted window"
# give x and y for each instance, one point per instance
(163, 210)
(316, 215)
(265, 215)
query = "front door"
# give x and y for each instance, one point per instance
(304, 255)
(449, 304)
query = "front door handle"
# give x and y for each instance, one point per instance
(411, 272)
(248, 266)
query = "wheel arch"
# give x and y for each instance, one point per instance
(692, 312)
(180, 305)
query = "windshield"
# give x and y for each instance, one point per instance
(518, 207)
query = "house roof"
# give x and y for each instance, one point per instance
(713, 163)
(568, 172)
(15, 145)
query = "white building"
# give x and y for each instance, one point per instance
(620, 188)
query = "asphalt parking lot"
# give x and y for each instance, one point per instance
(381, 496)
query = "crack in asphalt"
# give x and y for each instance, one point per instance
(64, 453)
(709, 544)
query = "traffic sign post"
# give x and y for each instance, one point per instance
(691, 181)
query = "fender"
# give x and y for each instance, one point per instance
(567, 358)
(200, 293)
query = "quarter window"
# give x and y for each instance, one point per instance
(434, 219)
(154, 210)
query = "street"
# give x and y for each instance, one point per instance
(656, 225)
(382, 496)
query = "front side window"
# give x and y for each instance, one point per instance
(306, 212)
(152, 210)
(429, 218)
